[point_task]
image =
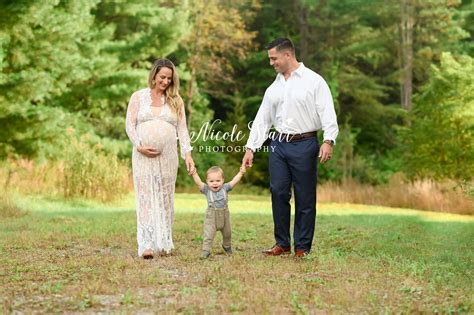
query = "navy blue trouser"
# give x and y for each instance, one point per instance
(294, 163)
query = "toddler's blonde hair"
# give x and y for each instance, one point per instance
(215, 169)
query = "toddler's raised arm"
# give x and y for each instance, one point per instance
(197, 179)
(237, 177)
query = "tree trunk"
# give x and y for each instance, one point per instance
(304, 31)
(194, 64)
(406, 32)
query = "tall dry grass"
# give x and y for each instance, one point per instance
(8, 208)
(422, 194)
(91, 173)
(28, 176)
(83, 173)
(105, 180)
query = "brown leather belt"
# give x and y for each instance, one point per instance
(296, 137)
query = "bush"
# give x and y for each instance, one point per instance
(92, 173)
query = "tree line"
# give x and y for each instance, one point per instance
(400, 72)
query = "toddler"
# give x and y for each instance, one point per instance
(217, 214)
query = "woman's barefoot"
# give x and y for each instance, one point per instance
(164, 253)
(148, 254)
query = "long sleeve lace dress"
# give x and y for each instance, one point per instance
(155, 178)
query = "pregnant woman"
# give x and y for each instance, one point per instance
(155, 116)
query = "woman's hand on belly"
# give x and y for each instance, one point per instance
(148, 151)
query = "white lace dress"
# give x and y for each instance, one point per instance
(155, 178)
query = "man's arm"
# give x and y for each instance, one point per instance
(259, 132)
(327, 114)
(197, 179)
(237, 177)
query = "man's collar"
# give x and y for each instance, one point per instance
(299, 71)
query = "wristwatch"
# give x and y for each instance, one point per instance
(330, 142)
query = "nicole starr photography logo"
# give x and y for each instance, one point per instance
(212, 132)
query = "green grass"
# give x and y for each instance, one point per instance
(81, 256)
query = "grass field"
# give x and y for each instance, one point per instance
(81, 256)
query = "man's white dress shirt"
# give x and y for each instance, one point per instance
(303, 103)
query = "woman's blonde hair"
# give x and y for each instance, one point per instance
(173, 99)
(215, 169)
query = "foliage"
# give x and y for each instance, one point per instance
(203, 154)
(79, 59)
(218, 35)
(466, 16)
(89, 172)
(439, 143)
(349, 164)
(35, 70)
(75, 64)
(139, 34)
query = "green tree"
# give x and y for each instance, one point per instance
(139, 33)
(440, 140)
(218, 33)
(76, 63)
(44, 48)
(466, 15)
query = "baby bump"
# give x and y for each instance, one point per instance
(157, 134)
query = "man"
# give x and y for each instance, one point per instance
(297, 104)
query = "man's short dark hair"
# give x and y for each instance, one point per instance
(282, 44)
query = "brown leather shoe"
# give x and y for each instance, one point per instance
(277, 250)
(300, 253)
